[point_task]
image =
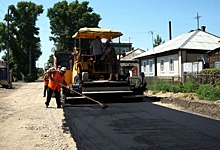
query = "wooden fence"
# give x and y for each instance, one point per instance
(198, 78)
(203, 78)
(150, 80)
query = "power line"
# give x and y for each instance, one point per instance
(2, 11)
(3, 4)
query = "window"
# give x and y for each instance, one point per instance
(217, 64)
(161, 65)
(147, 62)
(151, 65)
(145, 68)
(171, 64)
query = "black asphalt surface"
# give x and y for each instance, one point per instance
(139, 126)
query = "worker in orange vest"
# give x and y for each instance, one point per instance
(46, 81)
(56, 78)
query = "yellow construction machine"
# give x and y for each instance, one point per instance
(82, 76)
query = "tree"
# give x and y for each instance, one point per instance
(50, 60)
(158, 41)
(24, 36)
(66, 19)
(3, 37)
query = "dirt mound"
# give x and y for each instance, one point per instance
(190, 102)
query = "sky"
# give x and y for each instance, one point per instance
(138, 20)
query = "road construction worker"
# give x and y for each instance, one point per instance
(56, 79)
(97, 49)
(46, 81)
(112, 57)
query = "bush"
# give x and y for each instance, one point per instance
(190, 87)
(159, 85)
(208, 92)
(29, 78)
(212, 77)
(205, 92)
(176, 87)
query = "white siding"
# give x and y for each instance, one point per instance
(167, 71)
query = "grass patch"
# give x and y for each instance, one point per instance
(205, 92)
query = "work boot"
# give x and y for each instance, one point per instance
(116, 77)
(46, 105)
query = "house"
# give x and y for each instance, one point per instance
(167, 59)
(214, 57)
(129, 64)
(3, 74)
(121, 47)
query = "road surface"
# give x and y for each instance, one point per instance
(140, 126)
(26, 124)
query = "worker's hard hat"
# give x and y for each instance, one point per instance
(63, 69)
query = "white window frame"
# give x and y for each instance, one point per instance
(161, 65)
(150, 66)
(171, 66)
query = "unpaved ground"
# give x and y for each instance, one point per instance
(188, 102)
(25, 123)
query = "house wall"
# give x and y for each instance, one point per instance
(184, 57)
(214, 58)
(178, 58)
(122, 47)
(167, 69)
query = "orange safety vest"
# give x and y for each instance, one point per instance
(56, 78)
(46, 79)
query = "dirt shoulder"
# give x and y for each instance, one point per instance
(187, 102)
(26, 123)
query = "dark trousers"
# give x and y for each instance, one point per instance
(98, 62)
(49, 95)
(45, 90)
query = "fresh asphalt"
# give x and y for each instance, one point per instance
(138, 126)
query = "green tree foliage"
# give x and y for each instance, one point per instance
(66, 19)
(50, 61)
(158, 41)
(24, 36)
(40, 72)
(3, 37)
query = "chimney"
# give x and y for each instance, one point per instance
(170, 33)
(203, 28)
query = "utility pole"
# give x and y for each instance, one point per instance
(151, 32)
(30, 60)
(129, 39)
(129, 43)
(197, 17)
(8, 69)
